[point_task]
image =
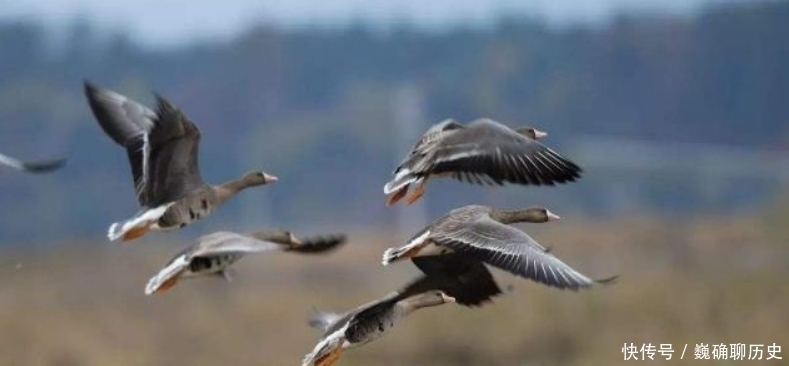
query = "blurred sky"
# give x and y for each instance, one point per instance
(163, 22)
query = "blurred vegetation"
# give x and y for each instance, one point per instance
(317, 106)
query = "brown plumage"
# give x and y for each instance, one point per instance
(482, 234)
(481, 152)
(162, 147)
(215, 253)
(367, 322)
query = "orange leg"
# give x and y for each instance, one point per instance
(167, 284)
(417, 193)
(137, 231)
(329, 358)
(394, 197)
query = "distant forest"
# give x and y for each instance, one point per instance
(319, 107)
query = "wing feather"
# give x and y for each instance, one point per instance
(32, 166)
(510, 249)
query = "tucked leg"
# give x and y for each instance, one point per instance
(397, 196)
(418, 192)
(166, 285)
(137, 231)
(329, 358)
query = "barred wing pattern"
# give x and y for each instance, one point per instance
(487, 152)
(510, 249)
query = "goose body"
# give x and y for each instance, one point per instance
(215, 253)
(481, 152)
(365, 323)
(32, 166)
(482, 234)
(162, 147)
(465, 279)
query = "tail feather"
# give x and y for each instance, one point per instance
(128, 230)
(325, 353)
(167, 277)
(402, 179)
(393, 255)
(413, 247)
(137, 225)
(115, 232)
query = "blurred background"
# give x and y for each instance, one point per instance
(677, 110)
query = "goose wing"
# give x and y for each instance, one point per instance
(226, 242)
(174, 144)
(129, 124)
(32, 166)
(488, 152)
(510, 249)
(435, 133)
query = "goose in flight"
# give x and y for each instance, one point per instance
(365, 323)
(481, 152)
(214, 254)
(162, 147)
(482, 234)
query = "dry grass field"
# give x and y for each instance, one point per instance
(712, 279)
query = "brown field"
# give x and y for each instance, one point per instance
(684, 280)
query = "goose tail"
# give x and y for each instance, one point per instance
(138, 225)
(167, 277)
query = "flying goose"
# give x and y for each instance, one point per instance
(365, 323)
(162, 147)
(215, 253)
(32, 166)
(482, 233)
(481, 152)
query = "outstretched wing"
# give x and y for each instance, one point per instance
(128, 123)
(32, 166)
(226, 242)
(487, 152)
(510, 249)
(174, 142)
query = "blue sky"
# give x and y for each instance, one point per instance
(175, 21)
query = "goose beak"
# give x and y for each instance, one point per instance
(552, 216)
(269, 178)
(447, 298)
(539, 134)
